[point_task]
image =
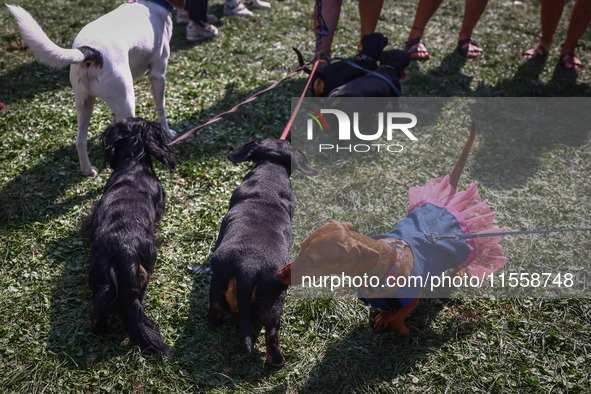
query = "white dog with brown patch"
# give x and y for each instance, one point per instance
(106, 57)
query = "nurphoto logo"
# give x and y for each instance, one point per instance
(392, 125)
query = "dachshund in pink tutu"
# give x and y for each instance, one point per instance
(407, 250)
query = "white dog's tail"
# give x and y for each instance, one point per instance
(45, 50)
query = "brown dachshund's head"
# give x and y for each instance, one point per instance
(332, 249)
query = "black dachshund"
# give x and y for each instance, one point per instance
(254, 243)
(391, 68)
(121, 229)
(338, 73)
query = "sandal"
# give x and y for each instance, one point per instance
(415, 46)
(570, 61)
(468, 45)
(537, 51)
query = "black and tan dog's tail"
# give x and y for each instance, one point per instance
(454, 178)
(111, 290)
(301, 60)
(141, 330)
(244, 298)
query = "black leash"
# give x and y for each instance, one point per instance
(434, 237)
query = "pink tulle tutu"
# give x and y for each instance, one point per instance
(474, 217)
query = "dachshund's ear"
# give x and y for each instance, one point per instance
(244, 153)
(157, 144)
(284, 275)
(299, 161)
(110, 139)
(366, 257)
(347, 225)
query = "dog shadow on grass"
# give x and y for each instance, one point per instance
(266, 117)
(68, 309)
(38, 192)
(17, 86)
(519, 119)
(69, 335)
(365, 356)
(215, 355)
(517, 133)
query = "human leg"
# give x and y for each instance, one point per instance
(369, 13)
(199, 26)
(414, 46)
(331, 10)
(550, 16)
(472, 13)
(579, 22)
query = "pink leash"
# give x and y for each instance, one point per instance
(297, 108)
(252, 98)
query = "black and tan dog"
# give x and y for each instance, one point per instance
(121, 229)
(338, 73)
(391, 71)
(254, 243)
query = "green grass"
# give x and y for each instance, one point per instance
(534, 180)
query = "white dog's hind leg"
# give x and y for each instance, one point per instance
(84, 107)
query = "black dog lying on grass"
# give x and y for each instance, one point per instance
(338, 73)
(254, 243)
(391, 68)
(121, 229)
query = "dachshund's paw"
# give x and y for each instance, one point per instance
(215, 317)
(386, 319)
(98, 327)
(382, 320)
(274, 357)
(275, 364)
(401, 329)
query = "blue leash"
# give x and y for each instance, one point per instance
(434, 237)
(323, 30)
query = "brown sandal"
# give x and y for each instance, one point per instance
(468, 45)
(415, 46)
(570, 61)
(537, 51)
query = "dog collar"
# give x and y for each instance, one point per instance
(381, 297)
(363, 57)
